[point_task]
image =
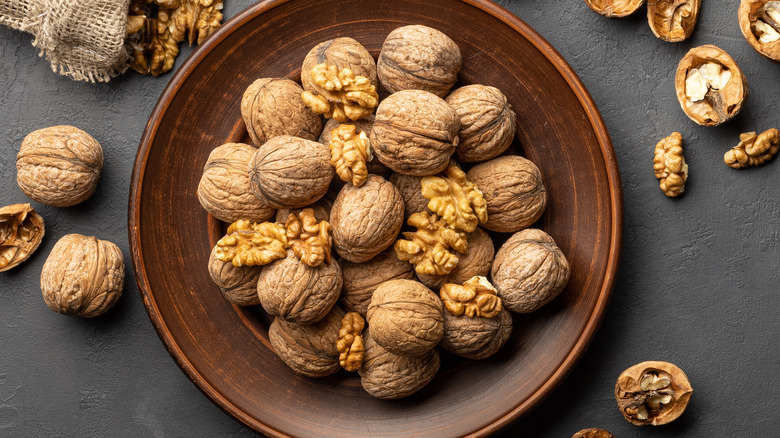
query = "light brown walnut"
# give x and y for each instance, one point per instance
(361, 279)
(252, 244)
(410, 188)
(614, 8)
(476, 338)
(753, 149)
(669, 165)
(592, 433)
(21, 232)
(350, 341)
(272, 106)
(308, 349)
(475, 298)
(455, 199)
(194, 20)
(476, 262)
(672, 20)
(238, 284)
(652, 392)
(309, 238)
(389, 376)
(321, 211)
(432, 248)
(355, 96)
(759, 21)
(350, 151)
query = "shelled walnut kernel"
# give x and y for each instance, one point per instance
(669, 165)
(350, 341)
(475, 298)
(310, 239)
(430, 248)
(753, 150)
(252, 244)
(350, 151)
(456, 199)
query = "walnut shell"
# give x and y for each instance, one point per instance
(365, 124)
(321, 211)
(21, 232)
(273, 106)
(238, 284)
(389, 376)
(405, 317)
(513, 189)
(418, 57)
(296, 292)
(308, 349)
(224, 188)
(290, 172)
(529, 271)
(476, 338)
(672, 20)
(487, 122)
(83, 276)
(476, 262)
(342, 52)
(59, 165)
(614, 8)
(365, 220)
(415, 133)
(759, 26)
(593, 432)
(652, 392)
(410, 188)
(361, 279)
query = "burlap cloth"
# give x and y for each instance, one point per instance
(82, 39)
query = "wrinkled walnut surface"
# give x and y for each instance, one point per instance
(529, 271)
(405, 317)
(238, 284)
(593, 433)
(321, 211)
(350, 151)
(153, 48)
(475, 298)
(345, 95)
(433, 248)
(476, 338)
(513, 189)
(194, 20)
(361, 279)
(652, 392)
(350, 341)
(455, 199)
(389, 376)
(753, 149)
(475, 262)
(418, 58)
(759, 21)
(272, 107)
(252, 244)
(59, 165)
(83, 276)
(21, 232)
(415, 133)
(669, 165)
(614, 8)
(487, 122)
(672, 20)
(308, 349)
(410, 188)
(365, 124)
(308, 237)
(224, 188)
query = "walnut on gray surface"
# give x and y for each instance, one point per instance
(362, 279)
(21, 232)
(309, 349)
(652, 392)
(389, 376)
(759, 21)
(614, 8)
(476, 338)
(238, 284)
(672, 20)
(272, 106)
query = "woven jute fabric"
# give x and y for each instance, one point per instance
(82, 39)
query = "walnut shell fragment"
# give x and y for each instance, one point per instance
(272, 106)
(475, 298)
(672, 20)
(238, 284)
(418, 57)
(83, 276)
(614, 8)
(362, 279)
(350, 341)
(669, 165)
(710, 86)
(252, 244)
(476, 338)
(652, 392)
(753, 150)
(405, 317)
(476, 262)
(21, 232)
(389, 376)
(529, 271)
(593, 432)
(309, 238)
(431, 249)
(308, 349)
(59, 165)
(759, 21)
(456, 199)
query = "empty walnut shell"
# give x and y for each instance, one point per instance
(308, 349)
(342, 52)
(415, 133)
(21, 232)
(224, 188)
(710, 96)
(759, 21)
(593, 432)
(296, 292)
(513, 189)
(273, 106)
(529, 271)
(237, 283)
(83, 276)
(652, 392)
(476, 338)
(405, 317)
(418, 58)
(59, 166)
(389, 376)
(365, 220)
(672, 20)
(476, 262)
(361, 279)
(614, 8)
(290, 172)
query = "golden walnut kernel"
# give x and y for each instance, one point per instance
(476, 262)
(759, 21)
(153, 48)
(59, 165)
(272, 106)
(753, 150)
(21, 231)
(614, 8)
(593, 432)
(350, 341)
(310, 239)
(195, 19)
(672, 20)
(710, 86)
(252, 244)
(652, 392)
(475, 298)
(669, 165)
(83, 276)
(350, 97)
(457, 200)
(350, 150)
(429, 248)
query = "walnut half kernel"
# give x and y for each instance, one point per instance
(310, 239)
(753, 150)
(350, 151)
(457, 200)
(652, 392)
(349, 96)
(669, 165)
(475, 298)
(430, 248)
(350, 341)
(252, 244)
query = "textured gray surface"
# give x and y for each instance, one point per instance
(699, 283)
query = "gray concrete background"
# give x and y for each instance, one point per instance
(699, 282)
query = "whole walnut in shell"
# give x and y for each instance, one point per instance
(290, 172)
(308, 349)
(529, 271)
(237, 283)
(224, 188)
(410, 188)
(476, 262)
(476, 338)
(344, 53)
(365, 220)
(321, 211)
(296, 292)
(389, 376)
(83, 276)
(487, 122)
(513, 189)
(361, 279)
(405, 317)
(418, 57)
(415, 133)
(273, 106)
(59, 165)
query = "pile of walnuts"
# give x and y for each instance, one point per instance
(367, 240)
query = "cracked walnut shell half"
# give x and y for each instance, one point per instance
(272, 107)
(710, 86)
(672, 20)
(153, 48)
(431, 249)
(753, 150)
(308, 349)
(593, 432)
(669, 165)
(759, 21)
(21, 232)
(614, 8)
(652, 392)
(389, 376)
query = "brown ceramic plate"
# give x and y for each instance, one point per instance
(224, 349)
